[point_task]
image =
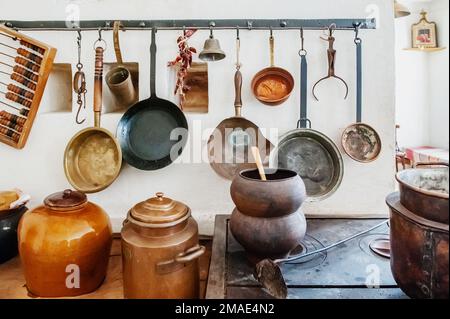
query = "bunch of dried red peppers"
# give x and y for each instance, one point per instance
(183, 61)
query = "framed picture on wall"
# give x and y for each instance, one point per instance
(424, 33)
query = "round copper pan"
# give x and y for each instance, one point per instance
(361, 142)
(272, 86)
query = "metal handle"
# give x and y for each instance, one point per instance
(190, 254)
(153, 64)
(272, 49)
(116, 42)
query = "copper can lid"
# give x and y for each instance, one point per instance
(66, 200)
(160, 210)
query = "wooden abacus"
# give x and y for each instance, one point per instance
(24, 95)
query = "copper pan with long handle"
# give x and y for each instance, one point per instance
(273, 85)
(93, 158)
(229, 146)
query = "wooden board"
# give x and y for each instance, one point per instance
(196, 99)
(339, 273)
(46, 66)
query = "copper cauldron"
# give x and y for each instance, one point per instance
(160, 251)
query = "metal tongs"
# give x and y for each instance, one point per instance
(268, 272)
(331, 62)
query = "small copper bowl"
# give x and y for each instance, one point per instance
(272, 86)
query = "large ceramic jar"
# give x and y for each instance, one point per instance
(9, 221)
(64, 245)
(160, 251)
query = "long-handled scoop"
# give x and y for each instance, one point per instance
(269, 274)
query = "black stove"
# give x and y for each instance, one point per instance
(350, 270)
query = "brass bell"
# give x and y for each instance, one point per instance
(211, 50)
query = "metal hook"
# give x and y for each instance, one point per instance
(100, 40)
(184, 30)
(302, 51)
(357, 28)
(271, 31)
(237, 33)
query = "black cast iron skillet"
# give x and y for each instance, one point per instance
(153, 132)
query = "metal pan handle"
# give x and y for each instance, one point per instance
(304, 123)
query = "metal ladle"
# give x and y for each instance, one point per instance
(268, 272)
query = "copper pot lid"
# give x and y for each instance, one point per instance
(66, 200)
(159, 210)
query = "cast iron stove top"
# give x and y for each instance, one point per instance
(350, 270)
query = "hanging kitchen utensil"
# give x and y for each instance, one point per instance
(153, 132)
(93, 157)
(211, 50)
(119, 78)
(273, 85)
(311, 154)
(269, 274)
(360, 141)
(79, 84)
(229, 144)
(331, 63)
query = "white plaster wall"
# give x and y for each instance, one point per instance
(422, 80)
(412, 87)
(38, 168)
(438, 78)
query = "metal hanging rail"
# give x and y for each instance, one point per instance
(227, 24)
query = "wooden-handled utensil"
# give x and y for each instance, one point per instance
(25, 53)
(24, 62)
(22, 80)
(26, 44)
(259, 164)
(18, 90)
(22, 71)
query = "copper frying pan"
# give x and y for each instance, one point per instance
(93, 157)
(360, 141)
(273, 85)
(229, 146)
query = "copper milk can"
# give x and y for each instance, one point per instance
(160, 251)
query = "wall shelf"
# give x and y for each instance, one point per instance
(425, 49)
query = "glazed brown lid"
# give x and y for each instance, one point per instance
(159, 210)
(66, 200)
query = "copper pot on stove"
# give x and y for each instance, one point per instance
(160, 251)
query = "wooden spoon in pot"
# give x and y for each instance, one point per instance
(258, 161)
